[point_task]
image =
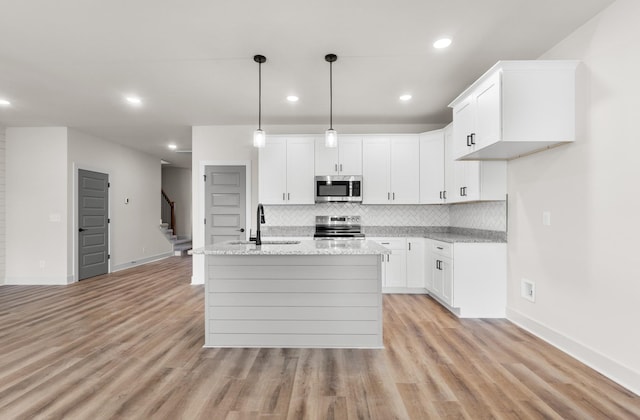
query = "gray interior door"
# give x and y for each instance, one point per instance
(225, 204)
(93, 226)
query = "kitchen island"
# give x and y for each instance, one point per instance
(307, 293)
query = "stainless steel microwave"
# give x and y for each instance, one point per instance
(338, 188)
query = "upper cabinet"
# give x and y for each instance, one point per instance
(515, 108)
(432, 168)
(285, 171)
(346, 159)
(390, 170)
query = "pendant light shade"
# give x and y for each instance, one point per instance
(259, 136)
(331, 135)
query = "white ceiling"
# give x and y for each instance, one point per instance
(70, 62)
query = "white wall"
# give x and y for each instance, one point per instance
(176, 183)
(36, 206)
(3, 224)
(135, 227)
(234, 143)
(585, 265)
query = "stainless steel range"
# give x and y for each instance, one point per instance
(338, 227)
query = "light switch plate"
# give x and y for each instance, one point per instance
(546, 218)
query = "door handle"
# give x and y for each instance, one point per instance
(341, 167)
(336, 167)
(82, 229)
(468, 141)
(473, 138)
(394, 195)
(409, 246)
(241, 230)
(283, 197)
(444, 195)
(288, 196)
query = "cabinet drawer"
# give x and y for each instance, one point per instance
(444, 249)
(392, 243)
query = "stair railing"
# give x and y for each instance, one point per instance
(168, 211)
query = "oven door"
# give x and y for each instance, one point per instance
(331, 189)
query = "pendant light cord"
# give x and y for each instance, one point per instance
(331, 95)
(259, 96)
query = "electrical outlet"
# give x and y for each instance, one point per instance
(528, 290)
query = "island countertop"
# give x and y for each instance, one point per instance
(301, 247)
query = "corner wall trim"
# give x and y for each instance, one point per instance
(610, 368)
(141, 261)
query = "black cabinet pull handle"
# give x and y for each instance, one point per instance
(440, 195)
(473, 138)
(81, 229)
(468, 140)
(444, 195)
(439, 247)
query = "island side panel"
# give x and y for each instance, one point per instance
(293, 301)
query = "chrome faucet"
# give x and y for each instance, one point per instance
(259, 221)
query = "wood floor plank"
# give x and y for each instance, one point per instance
(129, 345)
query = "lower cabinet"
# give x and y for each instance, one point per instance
(403, 271)
(469, 279)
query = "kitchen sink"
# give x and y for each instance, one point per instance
(264, 242)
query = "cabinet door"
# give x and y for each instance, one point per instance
(471, 182)
(376, 169)
(488, 124)
(272, 171)
(446, 270)
(436, 275)
(449, 163)
(350, 154)
(396, 269)
(432, 167)
(463, 126)
(326, 158)
(415, 263)
(300, 171)
(405, 170)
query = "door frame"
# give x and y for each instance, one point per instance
(197, 276)
(74, 211)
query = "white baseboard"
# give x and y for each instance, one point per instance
(142, 261)
(405, 290)
(38, 281)
(610, 368)
(196, 280)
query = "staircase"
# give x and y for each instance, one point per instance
(180, 244)
(168, 213)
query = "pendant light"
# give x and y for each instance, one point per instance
(259, 136)
(331, 135)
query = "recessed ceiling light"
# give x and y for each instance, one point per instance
(405, 97)
(292, 98)
(442, 43)
(172, 146)
(4, 102)
(134, 100)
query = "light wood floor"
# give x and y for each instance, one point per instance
(129, 345)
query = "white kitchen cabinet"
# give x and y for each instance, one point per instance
(470, 279)
(415, 263)
(391, 167)
(403, 271)
(432, 168)
(346, 159)
(394, 265)
(472, 180)
(286, 171)
(516, 108)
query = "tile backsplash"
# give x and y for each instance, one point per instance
(489, 216)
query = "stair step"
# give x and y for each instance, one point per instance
(181, 241)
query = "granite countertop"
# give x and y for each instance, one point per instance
(303, 247)
(439, 233)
